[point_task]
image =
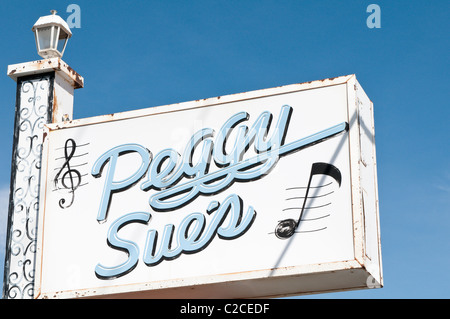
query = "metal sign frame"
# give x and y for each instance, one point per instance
(361, 267)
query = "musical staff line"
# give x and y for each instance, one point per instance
(81, 175)
(312, 207)
(78, 145)
(318, 196)
(58, 158)
(305, 187)
(81, 185)
(311, 219)
(78, 165)
(305, 231)
(311, 231)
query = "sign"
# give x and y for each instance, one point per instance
(258, 194)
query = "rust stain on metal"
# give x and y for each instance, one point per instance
(78, 78)
(54, 107)
(330, 79)
(323, 80)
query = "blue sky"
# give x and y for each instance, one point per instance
(137, 54)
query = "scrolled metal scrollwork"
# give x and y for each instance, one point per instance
(33, 110)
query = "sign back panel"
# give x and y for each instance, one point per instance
(249, 195)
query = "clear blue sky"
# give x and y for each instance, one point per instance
(136, 54)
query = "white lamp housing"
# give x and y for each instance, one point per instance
(51, 33)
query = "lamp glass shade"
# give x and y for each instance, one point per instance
(61, 41)
(44, 38)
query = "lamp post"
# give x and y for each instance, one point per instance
(44, 94)
(51, 33)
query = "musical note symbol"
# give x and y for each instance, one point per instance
(73, 175)
(286, 228)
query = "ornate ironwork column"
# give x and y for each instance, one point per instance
(44, 95)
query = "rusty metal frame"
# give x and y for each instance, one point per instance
(348, 274)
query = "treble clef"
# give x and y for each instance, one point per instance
(74, 176)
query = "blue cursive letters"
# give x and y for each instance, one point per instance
(192, 235)
(110, 185)
(165, 173)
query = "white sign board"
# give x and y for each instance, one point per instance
(258, 194)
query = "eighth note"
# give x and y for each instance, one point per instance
(286, 228)
(74, 176)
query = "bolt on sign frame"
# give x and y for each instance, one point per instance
(259, 194)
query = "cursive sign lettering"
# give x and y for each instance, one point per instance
(192, 235)
(178, 180)
(166, 170)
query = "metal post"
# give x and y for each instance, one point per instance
(44, 95)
